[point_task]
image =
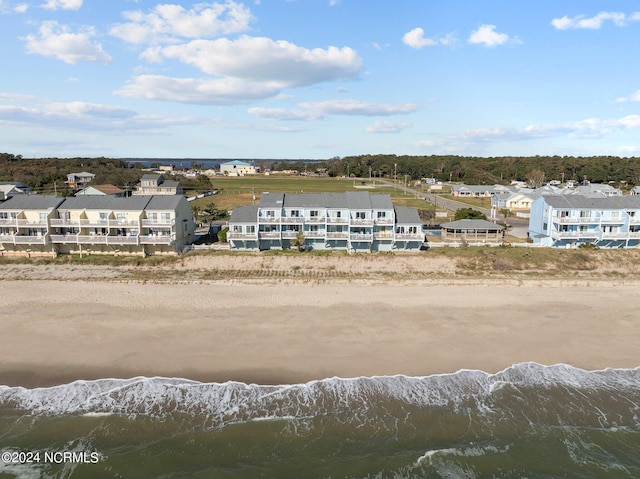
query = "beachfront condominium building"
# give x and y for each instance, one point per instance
(571, 220)
(52, 225)
(354, 221)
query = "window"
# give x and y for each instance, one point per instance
(165, 217)
(382, 214)
(314, 214)
(121, 217)
(104, 217)
(251, 229)
(585, 214)
(4, 215)
(295, 213)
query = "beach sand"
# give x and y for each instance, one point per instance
(271, 332)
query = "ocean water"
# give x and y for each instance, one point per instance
(528, 421)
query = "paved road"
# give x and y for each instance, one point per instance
(519, 226)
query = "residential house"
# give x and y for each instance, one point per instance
(9, 189)
(479, 191)
(354, 221)
(472, 231)
(24, 224)
(140, 225)
(237, 168)
(155, 184)
(571, 220)
(101, 190)
(78, 181)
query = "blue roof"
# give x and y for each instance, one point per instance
(237, 163)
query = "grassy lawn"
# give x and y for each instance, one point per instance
(239, 191)
(477, 202)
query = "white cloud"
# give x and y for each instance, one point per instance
(21, 8)
(582, 129)
(208, 91)
(261, 59)
(487, 36)
(57, 41)
(415, 39)
(353, 107)
(62, 4)
(635, 96)
(381, 126)
(166, 22)
(284, 114)
(89, 116)
(595, 22)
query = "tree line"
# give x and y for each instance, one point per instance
(492, 170)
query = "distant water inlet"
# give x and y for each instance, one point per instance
(528, 421)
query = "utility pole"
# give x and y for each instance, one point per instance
(395, 175)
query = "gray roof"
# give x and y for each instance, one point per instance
(358, 200)
(271, 200)
(90, 202)
(151, 176)
(164, 202)
(244, 214)
(381, 202)
(406, 215)
(472, 225)
(31, 202)
(584, 202)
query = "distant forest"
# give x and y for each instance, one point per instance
(48, 175)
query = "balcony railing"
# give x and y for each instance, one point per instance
(315, 234)
(383, 236)
(269, 234)
(8, 222)
(268, 219)
(242, 236)
(384, 221)
(568, 220)
(34, 223)
(361, 237)
(289, 234)
(19, 239)
(316, 219)
(417, 236)
(63, 238)
(337, 235)
(122, 239)
(292, 220)
(335, 220)
(161, 239)
(92, 239)
(64, 222)
(362, 221)
(575, 234)
(158, 222)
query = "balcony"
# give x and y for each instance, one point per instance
(64, 238)
(316, 219)
(6, 238)
(362, 221)
(383, 236)
(384, 221)
(289, 234)
(361, 237)
(92, 239)
(64, 222)
(269, 220)
(125, 224)
(416, 237)
(615, 221)
(335, 220)
(574, 220)
(237, 235)
(122, 239)
(575, 234)
(18, 239)
(32, 223)
(315, 234)
(269, 234)
(292, 220)
(337, 235)
(161, 239)
(157, 222)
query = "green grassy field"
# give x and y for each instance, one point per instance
(239, 191)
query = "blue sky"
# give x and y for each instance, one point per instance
(319, 78)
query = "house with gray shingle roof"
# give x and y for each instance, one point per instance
(571, 220)
(472, 231)
(353, 220)
(51, 225)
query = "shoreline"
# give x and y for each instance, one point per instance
(270, 332)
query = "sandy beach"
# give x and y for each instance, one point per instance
(274, 332)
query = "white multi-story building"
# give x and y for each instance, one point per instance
(51, 225)
(570, 220)
(354, 221)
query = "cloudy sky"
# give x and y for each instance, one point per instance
(319, 78)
